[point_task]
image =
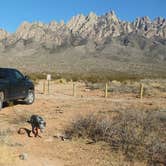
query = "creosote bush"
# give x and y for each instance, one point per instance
(140, 135)
(92, 76)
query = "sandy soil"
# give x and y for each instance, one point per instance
(59, 109)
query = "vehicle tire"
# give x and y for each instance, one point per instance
(30, 97)
(1, 100)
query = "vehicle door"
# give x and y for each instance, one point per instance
(4, 82)
(17, 85)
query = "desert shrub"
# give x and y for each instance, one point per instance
(91, 76)
(156, 152)
(140, 135)
(116, 86)
(4, 134)
(151, 87)
(39, 76)
(124, 88)
(94, 86)
(36, 76)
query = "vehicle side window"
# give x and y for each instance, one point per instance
(15, 75)
(4, 74)
(18, 75)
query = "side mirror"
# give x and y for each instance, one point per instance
(26, 77)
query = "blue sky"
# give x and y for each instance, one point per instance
(14, 12)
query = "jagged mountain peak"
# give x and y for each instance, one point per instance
(3, 34)
(90, 27)
(25, 25)
(92, 15)
(159, 20)
(112, 16)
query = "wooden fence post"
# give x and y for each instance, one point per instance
(74, 89)
(106, 90)
(141, 91)
(44, 87)
(48, 86)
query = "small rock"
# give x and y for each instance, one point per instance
(15, 144)
(23, 156)
(59, 111)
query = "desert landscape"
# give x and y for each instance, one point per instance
(104, 102)
(61, 109)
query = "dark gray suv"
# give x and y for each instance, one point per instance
(15, 86)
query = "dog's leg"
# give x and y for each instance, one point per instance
(33, 130)
(36, 132)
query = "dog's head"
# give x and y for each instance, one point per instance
(42, 125)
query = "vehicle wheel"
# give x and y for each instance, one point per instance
(30, 97)
(1, 99)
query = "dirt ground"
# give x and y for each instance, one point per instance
(59, 109)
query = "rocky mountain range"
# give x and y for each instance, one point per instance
(88, 43)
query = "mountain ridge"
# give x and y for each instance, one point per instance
(99, 26)
(88, 43)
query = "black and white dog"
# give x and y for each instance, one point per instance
(37, 123)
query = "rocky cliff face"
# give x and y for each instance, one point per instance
(81, 28)
(108, 25)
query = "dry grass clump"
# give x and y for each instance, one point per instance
(7, 156)
(150, 87)
(91, 76)
(60, 81)
(4, 136)
(140, 135)
(154, 87)
(94, 86)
